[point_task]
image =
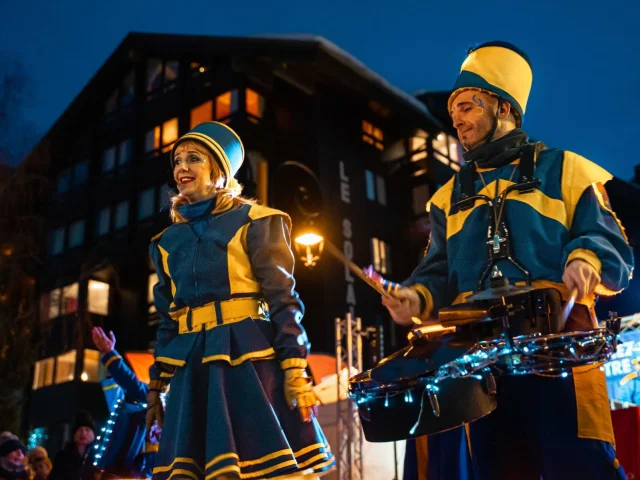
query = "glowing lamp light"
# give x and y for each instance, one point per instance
(84, 377)
(309, 247)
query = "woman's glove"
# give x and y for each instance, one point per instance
(298, 392)
(155, 409)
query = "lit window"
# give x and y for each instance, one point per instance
(98, 297)
(420, 198)
(455, 167)
(169, 133)
(255, 104)
(201, 113)
(43, 373)
(146, 203)
(122, 215)
(109, 159)
(418, 143)
(92, 371)
(153, 280)
(54, 303)
(80, 172)
(455, 150)
(103, 224)
(64, 180)
(112, 103)
(76, 234)
(380, 256)
(56, 245)
(441, 158)
(125, 150)
(65, 367)
(372, 135)
(69, 299)
(152, 139)
(171, 71)
(440, 144)
(226, 104)
(371, 188)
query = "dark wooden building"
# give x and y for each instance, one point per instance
(323, 134)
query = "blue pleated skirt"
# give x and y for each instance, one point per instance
(223, 419)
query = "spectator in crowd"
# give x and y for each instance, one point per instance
(75, 462)
(12, 464)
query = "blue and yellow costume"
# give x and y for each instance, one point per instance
(229, 327)
(543, 427)
(126, 452)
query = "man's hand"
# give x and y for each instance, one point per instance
(103, 343)
(581, 276)
(155, 414)
(403, 306)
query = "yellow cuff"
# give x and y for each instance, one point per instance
(111, 360)
(166, 375)
(293, 363)
(424, 292)
(157, 385)
(586, 256)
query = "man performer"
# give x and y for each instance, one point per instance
(562, 230)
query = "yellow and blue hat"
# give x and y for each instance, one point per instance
(498, 68)
(221, 141)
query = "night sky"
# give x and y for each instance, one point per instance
(585, 59)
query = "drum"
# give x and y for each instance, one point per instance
(554, 354)
(416, 391)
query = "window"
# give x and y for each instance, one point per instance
(226, 105)
(109, 159)
(164, 197)
(127, 93)
(98, 297)
(371, 186)
(122, 215)
(54, 303)
(76, 234)
(65, 367)
(381, 256)
(80, 172)
(418, 143)
(376, 187)
(43, 373)
(161, 74)
(103, 222)
(146, 203)
(125, 151)
(112, 103)
(93, 371)
(372, 135)
(455, 153)
(440, 144)
(161, 136)
(254, 104)
(69, 302)
(153, 280)
(64, 180)
(56, 242)
(201, 113)
(420, 199)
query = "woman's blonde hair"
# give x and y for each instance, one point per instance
(231, 192)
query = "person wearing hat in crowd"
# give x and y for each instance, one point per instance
(562, 230)
(12, 460)
(229, 339)
(75, 461)
(126, 453)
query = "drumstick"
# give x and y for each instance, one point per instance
(331, 248)
(570, 303)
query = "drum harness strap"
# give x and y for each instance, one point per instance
(498, 242)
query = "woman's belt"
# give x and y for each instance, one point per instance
(219, 313)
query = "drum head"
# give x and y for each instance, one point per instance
(420, 359)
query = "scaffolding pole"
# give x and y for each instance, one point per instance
(349, 433)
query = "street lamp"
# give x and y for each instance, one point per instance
(309, 244)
